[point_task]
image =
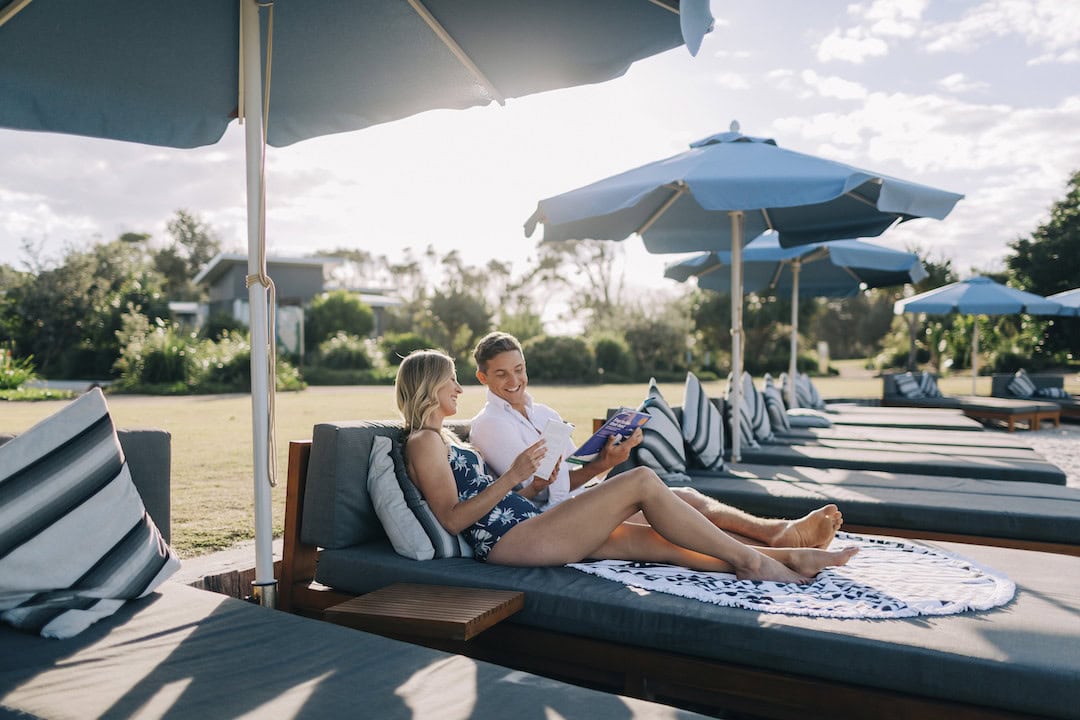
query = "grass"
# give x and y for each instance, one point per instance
(212, 506)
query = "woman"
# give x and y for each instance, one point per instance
(507, 529)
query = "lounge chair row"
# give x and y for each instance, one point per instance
(185, 653)
(1070, 403)
(1030, 412)
(1013, 662)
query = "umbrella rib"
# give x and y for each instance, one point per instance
(658, 3)
(768, 220)
(12, 10)
(680, 189)
(456, 50)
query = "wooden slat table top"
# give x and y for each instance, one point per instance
(428, 611)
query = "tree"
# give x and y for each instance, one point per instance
(193, 245)
(1049, 262)
(333, 312)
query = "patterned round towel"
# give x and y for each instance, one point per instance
(888, 578)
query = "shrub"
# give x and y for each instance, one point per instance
(614, 361)
(13, 373)
(559, 359)
(343, 351)
(396, 346)
(221, 324)
(333, 312)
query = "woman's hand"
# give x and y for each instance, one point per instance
(525, 464)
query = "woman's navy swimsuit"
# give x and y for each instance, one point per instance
(472, 477)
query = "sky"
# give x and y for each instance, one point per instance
(976, 97)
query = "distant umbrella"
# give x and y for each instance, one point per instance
(977, 296)
(1070, 302)
(834, 269)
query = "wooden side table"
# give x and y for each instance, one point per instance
(436, 612)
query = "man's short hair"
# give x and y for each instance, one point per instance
(492, 344)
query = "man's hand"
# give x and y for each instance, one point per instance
(540, 484)
(616, 453)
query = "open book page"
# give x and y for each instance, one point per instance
(622, 424)
(556, 434)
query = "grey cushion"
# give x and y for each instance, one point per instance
(928, 386)
(702, 426)
(908, 386)
(741, 419)
(774, 406)
(401, 526)
(1054, 393)
(1021, 385)
(943, 657)
(807, 418)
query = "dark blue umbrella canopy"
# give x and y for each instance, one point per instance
(836, 269)
(166, 73)
(681, 204)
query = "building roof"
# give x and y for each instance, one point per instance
(223, 262)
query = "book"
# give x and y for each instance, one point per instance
(622, 424)
(556, 434)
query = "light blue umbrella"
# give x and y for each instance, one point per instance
(978, 295)
(728, 186)
(1070, 302)
(177, 73)
(835, 269)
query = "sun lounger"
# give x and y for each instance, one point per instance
(1012, 662)
(183, 653)
(905, 435)
(1070, 405)
(1011, 412)
(912, 418)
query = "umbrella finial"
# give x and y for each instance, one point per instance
(734, 126)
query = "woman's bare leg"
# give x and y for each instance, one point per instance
(584, 527)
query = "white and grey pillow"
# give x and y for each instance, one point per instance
(1021, 385)
(774, 406)
(907, 386)
(702, 426)
(813, 397)
(406, 533)
(443, 543)
(928, 386)
(1052, 392)
(808, 418)
(759, 420)
(76, 541)
(741, 419)
(661, 446)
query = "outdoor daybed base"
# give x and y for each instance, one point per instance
(1012, 662)
(1009, 411)
(189, 654)
(1070, 406)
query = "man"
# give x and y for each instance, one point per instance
(511, 421)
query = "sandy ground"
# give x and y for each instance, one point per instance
(1060, 446)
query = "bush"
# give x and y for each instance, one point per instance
(343, 351)
(333, 312)
(13, 373)
(396, 346)
(221, 324)
(614, 361)
(330, 376)
(559, 359)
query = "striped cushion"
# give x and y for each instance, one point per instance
(443, 543)
(742, 421)
(908, 386)
(1052, 392)
(814, 397)
(928, 386)
(401, 526)
(1021, 385)
(774, 406)
(702, 426)
(661, 447)
(759, 418)
(75, 539)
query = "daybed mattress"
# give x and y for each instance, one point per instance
(917, 418)
(186, 653)
(900, 445)
(992, 508)
(904, 435)
(987, 468)
(1023, 657)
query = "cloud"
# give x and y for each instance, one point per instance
(832, 86)
(853, 45)
(959, 83)
(731, 81)
(1049, 25)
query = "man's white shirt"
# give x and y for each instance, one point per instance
(501, 433)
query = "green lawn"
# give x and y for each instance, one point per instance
(211, 437)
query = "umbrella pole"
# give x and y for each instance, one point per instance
(793, 367)
(736, 331)
(974, 354)
(264, 585)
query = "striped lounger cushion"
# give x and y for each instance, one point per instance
(702, 426)
(1021, 385)
(742, 420)
(661, 446)
(908, 386)
(774, 406)
(928, 386)
(75, 539)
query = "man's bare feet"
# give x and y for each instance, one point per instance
(815, 530)
(763, 567)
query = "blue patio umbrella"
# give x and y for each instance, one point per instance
(835, 269)
(729, 186)
(978, 295)
(177, 73)
(1070, 302)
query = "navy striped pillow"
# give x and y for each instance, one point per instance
(661, 446)
(759, 416)
(445, 545)
(75, 539)
(908, 386)
(743, 422)
(702, 426)
(774, 405)
(1021, 385)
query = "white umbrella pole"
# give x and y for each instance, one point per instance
(264, 586)
(974, 355)
(793, 368)
(736, 331)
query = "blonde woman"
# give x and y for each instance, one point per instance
(505, 528)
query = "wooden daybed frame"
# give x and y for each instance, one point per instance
(686, 681)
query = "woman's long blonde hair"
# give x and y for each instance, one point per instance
(419, 378)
